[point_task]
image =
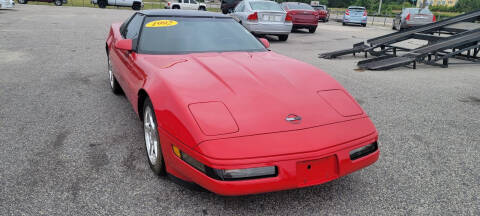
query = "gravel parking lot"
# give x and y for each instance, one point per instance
(69, 146)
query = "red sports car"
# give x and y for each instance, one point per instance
(303, 15)
(221, 110)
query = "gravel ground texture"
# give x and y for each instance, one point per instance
(68, 146)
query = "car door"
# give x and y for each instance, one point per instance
(127, 73)
(194, 5)
(186, 5)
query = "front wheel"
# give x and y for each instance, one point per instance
(202, 8)
(58, 2)
(152, 141)
(282, 37)
(136, 6)
(116, 89)
(312, 29)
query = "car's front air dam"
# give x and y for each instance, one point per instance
(289, 176)
(293, 169)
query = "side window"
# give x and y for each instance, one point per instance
(186, 1)
(134, 27)
(240, 7)
(193, 2)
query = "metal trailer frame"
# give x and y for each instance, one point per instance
(442, 48)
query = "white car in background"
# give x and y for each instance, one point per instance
(134, 4)
(7, 3)
(186, 5)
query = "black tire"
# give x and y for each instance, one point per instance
(58, 2)
(344, 24)
(22, 1)
(102, 3)
(114, 85)
(224, 11)
(364, 25)
(176, 7)
(282, 37)
(158, 167)
(136, 6)
(312, 29)
(202, 8)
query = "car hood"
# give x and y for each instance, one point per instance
(259, 89)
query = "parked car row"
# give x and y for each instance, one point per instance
(134, 4)
(56, 2)
(264, 17)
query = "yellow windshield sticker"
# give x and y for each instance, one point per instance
(161, 23)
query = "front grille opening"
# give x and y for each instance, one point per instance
(363, 151)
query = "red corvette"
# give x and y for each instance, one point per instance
(221, 110)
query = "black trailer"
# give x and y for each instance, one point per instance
(462, 42)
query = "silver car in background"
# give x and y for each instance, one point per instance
(262, 17)
(411, 17)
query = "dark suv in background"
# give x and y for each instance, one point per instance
(227, 6)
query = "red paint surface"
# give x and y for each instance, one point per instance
(243, 125)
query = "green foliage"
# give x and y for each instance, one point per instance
(467, 5)
(443, 8)
(323, 2)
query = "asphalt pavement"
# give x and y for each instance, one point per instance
(68, 146)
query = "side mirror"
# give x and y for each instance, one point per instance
(124, 44)
(265, 42)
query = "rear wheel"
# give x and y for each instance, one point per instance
(102, 3)
(58, 2)
(312, 29)
(152, 141)
(364, 25)
(202, 8)
(282, 37)
(344, 24)
(136, 6)
(176, 7)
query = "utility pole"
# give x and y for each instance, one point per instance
(380, 7)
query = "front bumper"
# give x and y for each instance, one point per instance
(334, 161)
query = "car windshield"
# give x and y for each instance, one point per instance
(299, 6)
(356, 8)
(319, 7)
(418, 11)
(265, 5)
(170, 35)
